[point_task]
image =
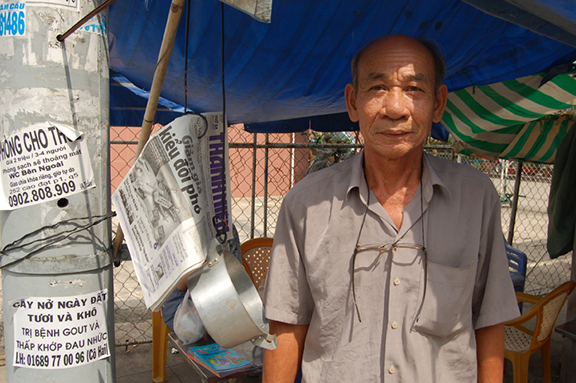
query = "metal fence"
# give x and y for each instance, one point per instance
(525, 227)
(265, 166)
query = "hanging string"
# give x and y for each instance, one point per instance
(217, 221)
(186, 58)
(463, 72)
(222, 61)
(186, 111)
(221, 221)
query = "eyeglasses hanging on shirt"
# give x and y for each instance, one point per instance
(420, 249)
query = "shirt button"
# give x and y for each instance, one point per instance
(394, 325)
(397, 281)
(392, 369)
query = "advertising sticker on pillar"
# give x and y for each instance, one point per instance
(97, 25)
(60, 332)
(43, 162)
(68, 4)
(13, 19)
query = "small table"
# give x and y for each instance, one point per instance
(567, 329)
(253, 354)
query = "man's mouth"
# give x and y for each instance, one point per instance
(394, 132)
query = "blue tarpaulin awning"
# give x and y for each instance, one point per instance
(290, 74)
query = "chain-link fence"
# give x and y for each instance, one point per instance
(263, 167)
(531, 228)
(526, 226)
(281, 160)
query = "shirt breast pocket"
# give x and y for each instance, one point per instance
(447, 306)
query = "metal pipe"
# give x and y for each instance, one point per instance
(83, 20)
(515, 203)
(253, 204)
(266, 186)
(295, 145)
(292, 162)
(123, 142)
(279, 145)
(240, 145)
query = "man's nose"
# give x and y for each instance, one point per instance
(394, 105)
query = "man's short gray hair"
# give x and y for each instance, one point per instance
(433, 48)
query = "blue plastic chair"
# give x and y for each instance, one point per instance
(517, 262)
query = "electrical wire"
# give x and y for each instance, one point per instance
(51, 239)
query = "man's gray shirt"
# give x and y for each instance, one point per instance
(468, 283)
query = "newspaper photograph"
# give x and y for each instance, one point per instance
(167, 202)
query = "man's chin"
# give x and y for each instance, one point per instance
(395, 151)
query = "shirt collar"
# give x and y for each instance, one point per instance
(430, 178)
(358, 178)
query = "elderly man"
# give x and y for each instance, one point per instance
(390, 266)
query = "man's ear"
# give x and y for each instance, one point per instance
(440, 105)
(351, 102)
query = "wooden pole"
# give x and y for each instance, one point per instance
(157, 82)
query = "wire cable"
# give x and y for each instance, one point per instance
(51, 239)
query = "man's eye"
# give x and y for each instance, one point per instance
(414, 89)
(377, 87)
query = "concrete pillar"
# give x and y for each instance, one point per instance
(60, 298)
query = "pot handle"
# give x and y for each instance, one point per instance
(266, 341)
(215, 253)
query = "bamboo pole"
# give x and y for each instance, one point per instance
(157, 82)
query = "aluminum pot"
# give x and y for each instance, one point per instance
(228, 303)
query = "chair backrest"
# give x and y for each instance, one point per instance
(255, 258)
(517, 262)
(550, 307)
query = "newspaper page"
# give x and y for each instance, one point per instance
(167, 201)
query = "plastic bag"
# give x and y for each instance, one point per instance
(187, 324)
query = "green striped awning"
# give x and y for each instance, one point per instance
(514, 119)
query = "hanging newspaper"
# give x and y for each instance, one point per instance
(167, 202)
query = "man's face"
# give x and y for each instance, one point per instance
(395, 103)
